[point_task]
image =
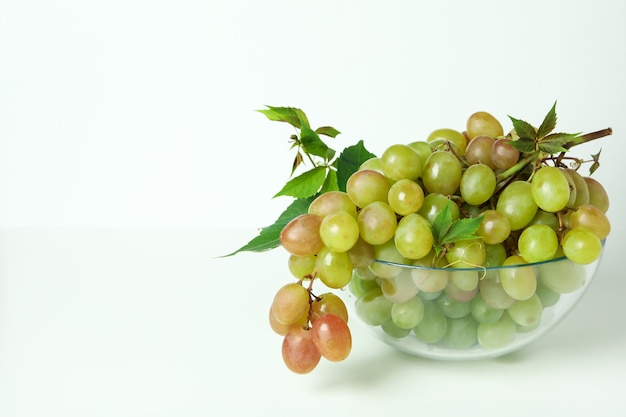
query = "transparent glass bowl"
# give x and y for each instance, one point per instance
(482, 323)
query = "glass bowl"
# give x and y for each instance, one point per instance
(456, 322)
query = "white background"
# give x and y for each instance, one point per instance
(131, 156)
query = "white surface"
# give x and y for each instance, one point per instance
(141, 113)
(147, 322)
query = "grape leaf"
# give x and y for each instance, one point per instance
(523, 144)
(548, 124)
(441, 223)
(523, 129)
(294, 116)
(462, 229)
(312, 143)
(269, 237)
(551, 147)
(330, 184)
(349, 161)
(596, 162)
(327, 131)
(305, 184)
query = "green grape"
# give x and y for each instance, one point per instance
(333, 268)
(544, 217)
(301, 267)
(494, 295)
(407, 314)
(389, 253)
(581, 192)
(442, 173)
(423, 149)
(452, 308)
(433, 326)
(494, 228)
(428, 296)
(482, 313)
(517, 203)
(377, 223)
(299, 352)
(478, 183)
(399, 288)
(538, 243)
(393, 330)
(526, 312)
(367, 186)
(563, 276)
(373, 308)
(331, 202)
(597, 194)
(457, 294)
(581, 245)
(301, 236)
(479, 151)
(359, 286)
(483, 123)
(413, 238)
(361, 254)
(547, 295)
(290, 303)
(339, 231)
(550, 189)
(464, 280)
(519, 281)
(401, 162)
(332, 337)
(467, 253)
(503, 154)
(405, 197)
(496, 334)
(434, 203)
(328, 303)
(496, 254)
(454, 137)
(590, 217)
(373, 164)
(429, 280)
(461, 332)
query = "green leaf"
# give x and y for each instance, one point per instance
(561, 138)
(442, 223)
(305, 184)
(291, 115)
(269, 237)
(349, 161)
(523, 129)
(327, 131)
(330, 184)
(596, 162)
(548, 124)
(551, 147)
(312, 143)
(462, 229)
(523, 144)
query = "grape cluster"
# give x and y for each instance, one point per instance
(399, 209)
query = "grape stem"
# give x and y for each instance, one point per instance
(588, 137)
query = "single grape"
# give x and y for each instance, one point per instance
(461, 332)
(433, 326)
(389, 253)
(518, 281)
(494, 295)
(581, 245)
(451, 136)
(427, 279)
(517, 203)
(413, 237)
(478, 183)
(483, 123)
(526, 312)
(434, 203)
(581, 190)
(458, 294)
(339, 231)
(590, 217)
(359, 286)
(563, 277)
(301, 236)
(392, 329)
(282, 329)
(423, 149)
(452, 308)
(373, 164)
(442, 173)
(331, 202)
(399, 288)
(361, 254)
(465, 279)
(482, 313)
(496, 254)
(550, 189)
(405, 197)
(333, 268)
(332, 337)
(407, 314)
(544, 217)
(373, 308)
(377, 223)
(299, 352)
(467, 253)
(401, 162)
(367, 186)
(328, 303)
(538, 243)
(479, 151)
(503, 154)
(301, 267)
(597, 194)
(494, 228)
(547, 295)
(493, 335)
(290, 303)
